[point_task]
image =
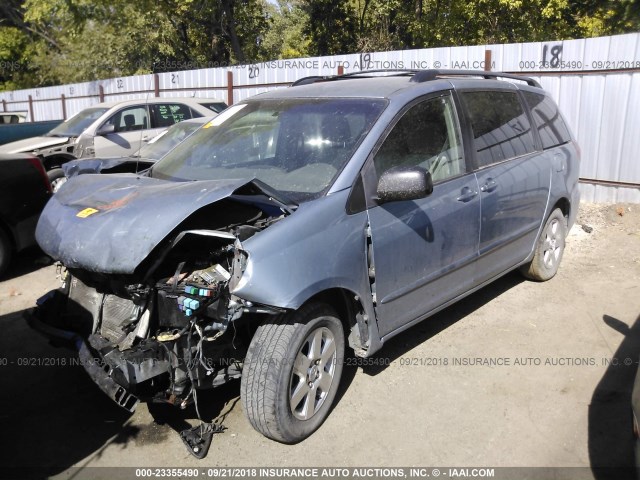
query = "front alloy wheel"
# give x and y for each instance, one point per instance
(292, 372)
(313, 373)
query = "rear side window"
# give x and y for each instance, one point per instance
(551, 126)
(165, 115)
(501, 128)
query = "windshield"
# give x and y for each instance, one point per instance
(159, 145)
(78, 123)
(296, 146)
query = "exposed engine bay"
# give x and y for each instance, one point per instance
(169, 288)
(161, 338)
(170, 326)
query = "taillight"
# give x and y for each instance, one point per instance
(43, 173)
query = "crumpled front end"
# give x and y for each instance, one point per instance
(158, 322)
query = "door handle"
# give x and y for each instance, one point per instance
(489, 186)
(466, 195)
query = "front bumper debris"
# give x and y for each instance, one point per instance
(99, 370)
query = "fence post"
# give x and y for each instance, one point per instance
(229, 87)
(101, 93)
(487, 60)
(156, 85)
(64, 106)
(31, 108)
(340, 69)
(4, 104)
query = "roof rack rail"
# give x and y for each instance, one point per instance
(401, 71)
(419, 76)
(427, 75)
(308, 80)
(329, 78)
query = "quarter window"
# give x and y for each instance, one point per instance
(426, 136)
(551, 126)
(501, 129)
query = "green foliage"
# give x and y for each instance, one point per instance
(47, 42)
(286, 37)
(332, 26)
(13, 58)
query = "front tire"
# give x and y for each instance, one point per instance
(292, 371)
(56, 178)
(549, 249)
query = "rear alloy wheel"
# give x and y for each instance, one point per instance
(56, 178)
(292, 372)
(549, 249)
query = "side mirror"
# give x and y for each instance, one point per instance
(404, 183)
(106, 129)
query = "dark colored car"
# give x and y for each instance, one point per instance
(338, 212)
(24, 191)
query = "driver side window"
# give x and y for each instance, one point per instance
(426, 136)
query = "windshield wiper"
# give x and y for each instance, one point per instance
(285, 203)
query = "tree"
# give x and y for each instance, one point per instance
(64, 41)
(332, 26)
(47, 42)
(285, 37)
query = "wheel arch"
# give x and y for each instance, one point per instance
(564, 205)
(351, 312)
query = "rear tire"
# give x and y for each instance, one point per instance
(292, 371)
(549, 249)
(5, 252)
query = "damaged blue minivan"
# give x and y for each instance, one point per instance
(335, 213)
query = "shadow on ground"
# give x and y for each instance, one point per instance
(51, 415)
(25, 262)
(611, 441)
(423, 331)
(54, 416)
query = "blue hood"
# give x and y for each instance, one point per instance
(110, 223)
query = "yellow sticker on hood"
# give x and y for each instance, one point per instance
(86, 212)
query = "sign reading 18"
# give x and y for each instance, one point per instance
(556, 56)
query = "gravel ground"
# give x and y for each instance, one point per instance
(557, 394)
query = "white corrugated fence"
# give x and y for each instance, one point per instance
(595, 81)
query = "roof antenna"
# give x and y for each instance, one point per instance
(148, 113)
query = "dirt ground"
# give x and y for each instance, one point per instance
(520, 374)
